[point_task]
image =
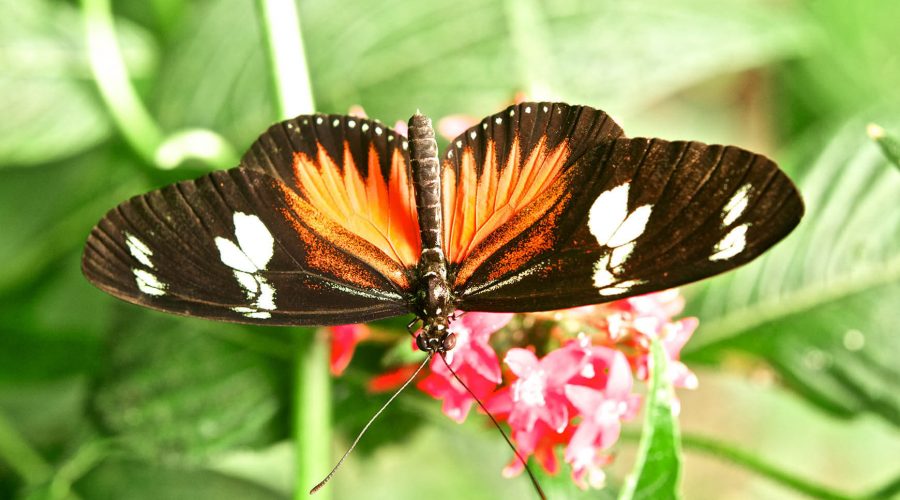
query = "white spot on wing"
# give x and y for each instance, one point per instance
(732, 244)
(632, 227)
(364, 127)
(254, 238)
(139, 250)
(378, 130)
(602, 277)
(736, 205)
(336, 122)
(252, 253)
(528, 109)
(351, 123)
(248, 282)
(620, 255)
(473, 134)
(608, 213)
(233, 257)
(319, 120)
(148, 283)
(498, 120)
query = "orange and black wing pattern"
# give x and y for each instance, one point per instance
(317, 226)
(355, 173)
(515, 172)
(605, 217)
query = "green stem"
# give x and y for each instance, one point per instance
(128, 112)
(312, 413)
(284, 41)
(889, 144)
(312, 383)
(746, 460)
(111, 76)
(20, 456)
(530, 40)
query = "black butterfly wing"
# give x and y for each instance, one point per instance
(240, 246)
(643, 215)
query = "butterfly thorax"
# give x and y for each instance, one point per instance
(433, 301)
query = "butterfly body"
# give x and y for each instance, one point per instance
(434, 303)
(333, 219)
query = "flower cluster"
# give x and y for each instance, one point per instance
(574, 396)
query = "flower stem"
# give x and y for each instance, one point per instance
(311, 416)
(128, 112)
(752, 463)
(530, 39)
(284, 41)
(111, 76)
(20, 456)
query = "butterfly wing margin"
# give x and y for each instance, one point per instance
(655, 215)
(237, 246)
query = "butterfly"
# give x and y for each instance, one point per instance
(333, 219)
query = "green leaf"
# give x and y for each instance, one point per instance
(137, 480)
(853, 64)
(657, 469)
(179, 391)
(50, 107)
(47, 211)
(821, 307)
(458, 56)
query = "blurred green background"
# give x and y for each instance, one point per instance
(797, 353)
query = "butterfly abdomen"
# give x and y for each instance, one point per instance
(433, 292)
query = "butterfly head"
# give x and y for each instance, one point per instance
(436, 338)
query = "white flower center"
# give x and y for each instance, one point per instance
(530, 390)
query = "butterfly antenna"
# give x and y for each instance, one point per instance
(531, 475)
(368, 424)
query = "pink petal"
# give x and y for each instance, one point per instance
(451, 126)
(522, 362)
(582, 444)
(586, 400)
(557, 412)
(619, 382)
(343, 343)
(484, 361)
(482, 325)
(563, 364)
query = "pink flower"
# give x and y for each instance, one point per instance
(602, 412)
(474, 361)
(451, 126)
(674, 336)
(343, 343)
(538, 394)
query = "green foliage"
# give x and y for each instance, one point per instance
(822, 306)
(120, 402)
(657, 470)
(50, 108)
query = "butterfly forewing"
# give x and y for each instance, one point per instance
(647, 215)
(239, 246)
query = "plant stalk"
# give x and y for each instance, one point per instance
(311, 416)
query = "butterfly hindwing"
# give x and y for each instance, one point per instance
(240, 246)
(355, 171)
(511, 171)
(652, 215)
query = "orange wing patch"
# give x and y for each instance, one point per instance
(381, 211)
(476, 206)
